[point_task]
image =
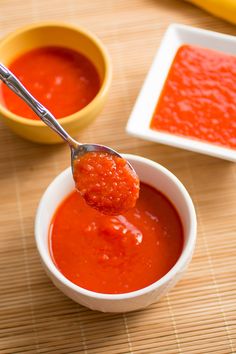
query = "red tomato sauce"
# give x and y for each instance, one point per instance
(199, 97)
(106, 182)
(63, 80)
(116, 254)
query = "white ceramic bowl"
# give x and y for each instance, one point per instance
(142, 113)
(156, 176)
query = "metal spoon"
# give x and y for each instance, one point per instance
(77, 149)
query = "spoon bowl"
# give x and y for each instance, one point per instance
(79, 150)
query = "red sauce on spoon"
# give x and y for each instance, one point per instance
(106, 182)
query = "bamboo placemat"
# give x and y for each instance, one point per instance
(199, 314)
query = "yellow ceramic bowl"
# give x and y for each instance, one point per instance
(56, 34)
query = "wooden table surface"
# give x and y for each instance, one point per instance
(199, 314)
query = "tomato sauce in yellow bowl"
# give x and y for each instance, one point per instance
(62, 79)
(64, 66)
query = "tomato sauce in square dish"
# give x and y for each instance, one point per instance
(199, 97)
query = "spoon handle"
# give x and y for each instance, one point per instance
(16, 86)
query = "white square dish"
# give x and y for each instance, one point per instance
(142, 113)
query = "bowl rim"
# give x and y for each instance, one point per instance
(186, 253)
(104, 85)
